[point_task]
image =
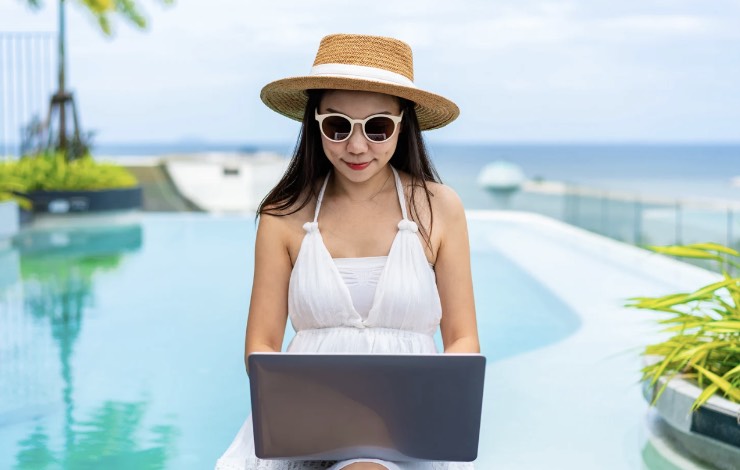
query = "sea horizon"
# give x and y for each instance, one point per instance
(668, 170)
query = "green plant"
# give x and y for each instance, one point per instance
(22, 202)
(54, 173)
(704, 328)
(11, 187)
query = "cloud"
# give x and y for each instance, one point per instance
(532, 61)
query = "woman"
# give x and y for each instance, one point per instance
(359, 244)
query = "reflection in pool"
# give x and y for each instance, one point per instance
(58, 270)
(112, 436)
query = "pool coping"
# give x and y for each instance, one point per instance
(719, 418)
(654, 268)
(622, 252)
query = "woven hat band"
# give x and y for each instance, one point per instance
(361, 72)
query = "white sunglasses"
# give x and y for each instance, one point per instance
(377, 128)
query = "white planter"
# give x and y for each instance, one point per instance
(711, 433)
(9, 217)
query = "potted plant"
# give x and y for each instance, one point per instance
(52, 183)
(692, 377)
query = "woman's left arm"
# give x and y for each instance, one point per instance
(454, 279)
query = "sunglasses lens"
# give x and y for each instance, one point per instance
(379, 129)
(336, 128)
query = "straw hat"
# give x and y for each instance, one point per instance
(364, 63)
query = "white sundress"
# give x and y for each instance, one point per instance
(404, 316)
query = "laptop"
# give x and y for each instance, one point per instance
(341, 406)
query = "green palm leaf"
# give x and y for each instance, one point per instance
(724, 385)
(685, 252)
(704, 325)
(714, 247)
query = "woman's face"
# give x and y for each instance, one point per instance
(356, 158)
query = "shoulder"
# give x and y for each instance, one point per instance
(283, 221)
(445, 200)
(438, 209)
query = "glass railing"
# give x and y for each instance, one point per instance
(630, 218)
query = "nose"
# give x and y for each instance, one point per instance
(357, 144)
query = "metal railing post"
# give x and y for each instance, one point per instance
(679, 223)
(604, 214)
(25, 66)
(638, 222)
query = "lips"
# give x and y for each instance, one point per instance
(357, 166)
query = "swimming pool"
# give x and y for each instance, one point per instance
(121, 344)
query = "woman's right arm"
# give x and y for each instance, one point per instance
(268, 307)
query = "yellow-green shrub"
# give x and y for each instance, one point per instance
(54, 173)
(704, 328)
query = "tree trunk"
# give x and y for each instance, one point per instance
(62, 91)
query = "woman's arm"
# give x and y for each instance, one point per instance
(268, 308)
(454, 279)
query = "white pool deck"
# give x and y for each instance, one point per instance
(572, 404)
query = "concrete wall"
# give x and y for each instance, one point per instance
(225, 183)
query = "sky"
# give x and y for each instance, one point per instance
(520, 70)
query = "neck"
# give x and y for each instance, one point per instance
(364, 191)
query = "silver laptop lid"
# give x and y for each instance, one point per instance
(393, 407)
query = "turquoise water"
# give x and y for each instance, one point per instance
(121, 347)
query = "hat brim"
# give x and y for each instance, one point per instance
(288, 97)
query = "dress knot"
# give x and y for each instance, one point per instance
(311, 227)
(410, 225)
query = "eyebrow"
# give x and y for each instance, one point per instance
(331, 110)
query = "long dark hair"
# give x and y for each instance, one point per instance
(309, 165)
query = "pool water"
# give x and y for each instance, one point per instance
(121, 346)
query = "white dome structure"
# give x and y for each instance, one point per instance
(501, 177)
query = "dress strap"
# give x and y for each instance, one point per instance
(399, 190)
(320, 198)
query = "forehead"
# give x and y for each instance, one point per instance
(362, 103)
